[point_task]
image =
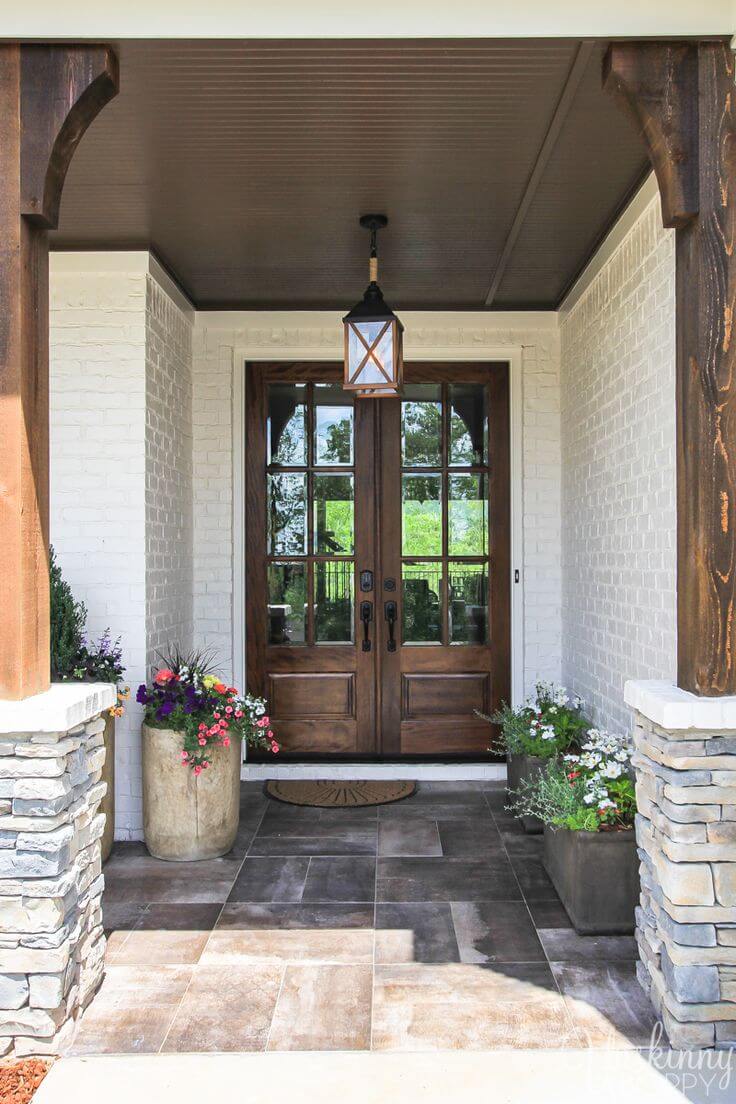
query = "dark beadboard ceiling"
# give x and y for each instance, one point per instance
(245, 165)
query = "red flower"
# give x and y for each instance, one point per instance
(164, 675)
(220, 687)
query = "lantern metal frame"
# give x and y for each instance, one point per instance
(373, 308)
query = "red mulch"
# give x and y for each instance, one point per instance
(19, 1080)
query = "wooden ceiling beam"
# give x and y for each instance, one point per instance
(48, 97)
(575, 75)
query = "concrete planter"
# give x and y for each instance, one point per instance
(187, 816)
(524, 768)
(597, 877)
(107, 805)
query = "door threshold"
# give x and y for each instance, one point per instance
(427, 772)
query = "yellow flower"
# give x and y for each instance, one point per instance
(209, 681)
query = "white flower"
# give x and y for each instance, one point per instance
(552, 709)
(612, 770)
(589, 798)
(606, 803)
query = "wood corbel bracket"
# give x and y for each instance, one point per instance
(656, 84)
(63, 88)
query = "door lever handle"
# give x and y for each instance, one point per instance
(366, 616)
(389, 610)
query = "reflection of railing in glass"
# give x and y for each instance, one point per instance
(422, 603)
(333, 601)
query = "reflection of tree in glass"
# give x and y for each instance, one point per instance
(286, 421)
(467, 515)
(334, 436)
(287, 513)
(333, 513)
(421, 515)
(420, 430)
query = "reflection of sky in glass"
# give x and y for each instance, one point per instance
(357, 351)
(333, 434)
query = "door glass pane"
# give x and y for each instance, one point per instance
(468, 590)
(333, 601)
(333, 425)
(421, 607)
(287, 596)
(468, 424)
(287, 513)
(421, 515)
(333, 514)
(421, 426)
(287, 424)
(467, 521)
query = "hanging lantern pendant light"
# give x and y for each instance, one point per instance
(373, 334)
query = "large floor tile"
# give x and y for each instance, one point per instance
(471, 838)
(496, 931)
(416, 931)
(466, 1007)
(139, 878)
(169, 934)
(417, 836)
(445, 880)
(248, 933)
(331, 843)
(533, 879)
(449, 809)
(226, 1008)
(297, 820)
(565, 945)
(323, 1008)
(119, 921)
(270, 879)
(341, 879)
(606, 1003)
(133, 1010)
(549, 914)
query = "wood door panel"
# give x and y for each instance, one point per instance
(440, 694)
(307, 736)
(445, 736)
(312, 695)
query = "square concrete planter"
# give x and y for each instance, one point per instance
(519, 769)
(597, 877)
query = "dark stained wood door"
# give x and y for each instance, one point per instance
(377, 548)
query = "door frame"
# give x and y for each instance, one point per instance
(512, 355)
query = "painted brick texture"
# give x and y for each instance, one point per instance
(618, 474)
(121, 472)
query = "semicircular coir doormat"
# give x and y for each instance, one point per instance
(339, 795)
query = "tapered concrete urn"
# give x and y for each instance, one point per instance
(187, 816)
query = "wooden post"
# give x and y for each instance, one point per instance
(681, 97)
(48, 97)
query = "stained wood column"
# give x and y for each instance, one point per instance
(48, 97)
(681, 98)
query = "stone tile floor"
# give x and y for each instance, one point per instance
(425, 925)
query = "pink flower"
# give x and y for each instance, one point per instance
(262, 723)
(184, 757)
(238, 714)
(270, 734)
(164, 675)
(201, 741)
(274, 747)
(216, 716)
(228, 709)
(226, 741)
(198, 769)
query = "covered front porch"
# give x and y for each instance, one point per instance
(575, 314)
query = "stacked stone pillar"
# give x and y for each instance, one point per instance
(51, 935)
(685, 762)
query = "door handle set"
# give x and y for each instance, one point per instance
(389, 610)
(366, 616)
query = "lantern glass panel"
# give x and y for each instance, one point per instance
(363, 336)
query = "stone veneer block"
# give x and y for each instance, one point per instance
(685, 763)
(51, 937)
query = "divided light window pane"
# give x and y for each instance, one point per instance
(333, 601)
(333, 514)
(468, 591)
(287, 514)
(287, 603)
(421, 605)
(287, 424)
(333, 426)
(468, 425)
(421, 426)
(421, 515)
(467, 515)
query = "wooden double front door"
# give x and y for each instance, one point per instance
(377, 559)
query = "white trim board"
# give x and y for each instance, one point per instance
(511, 354)
(373, 772)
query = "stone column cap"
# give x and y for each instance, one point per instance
(63, 706)
(670, 707)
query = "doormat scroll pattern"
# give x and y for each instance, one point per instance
(339, 795)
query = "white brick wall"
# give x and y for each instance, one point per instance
(618, 481)
(220, 341)
(121, 468)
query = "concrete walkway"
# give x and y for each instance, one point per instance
(497, 1077)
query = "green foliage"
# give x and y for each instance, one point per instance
(589, 792)
(68, 619)
(545, 727)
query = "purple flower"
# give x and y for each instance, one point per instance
(142, 695)
(164, 710)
